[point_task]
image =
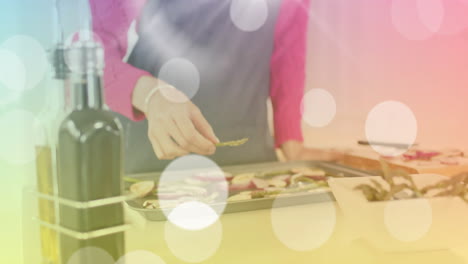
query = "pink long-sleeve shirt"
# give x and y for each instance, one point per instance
(112, 20)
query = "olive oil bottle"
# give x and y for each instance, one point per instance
(89, 160)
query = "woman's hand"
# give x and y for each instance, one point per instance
(176, 126)
(294, 150)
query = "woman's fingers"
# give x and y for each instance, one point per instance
(181, 140)
(157, 149)
(199, 144)
(165, 148)
(202, 125)
(177, 129)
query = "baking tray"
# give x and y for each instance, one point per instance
(261, 203)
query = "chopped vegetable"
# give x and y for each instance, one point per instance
(151, 204)
(310, 172)
(240, 197)
(375, 191)
(142, 189)
(234, 143)
(260, 183)
(131, 180)
(243, 178)
(420, 155)
(242, 182)
(275, 182)
(207, 186)
(285, 178)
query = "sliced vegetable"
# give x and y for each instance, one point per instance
(260, 183)
(142, 189)
(420, 155)
(305, 171)
(240, 197)
(277, 183)
(243, 178)
(241, 186)
(262, 194)
(242, 182)
(151, 204)
(131, 180)
(286, 178)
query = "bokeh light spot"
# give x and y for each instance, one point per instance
(431, 13)
(193, 192)
(408, 220)
(249, 15)
(33, 56)
(417, 20)
(193, 246)
(303, 228)
(391, 122)
(13, 71)
(318, 108)
(193, 216)
(183, 75)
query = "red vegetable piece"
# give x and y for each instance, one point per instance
(241, 186)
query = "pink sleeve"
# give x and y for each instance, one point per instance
(288, 70)
(111, 21)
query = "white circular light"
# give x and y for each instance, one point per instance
(408, 220)
(140, 257)
(249, 15)
(20, 130)
(33, 56)
(193, 246)
(193, 216)
(303, 228)
(431, 13)
(91, 255)
(391, 122)
(193, 192)
(417, 20)
(318, 108)
(13, 71)
(183, 75)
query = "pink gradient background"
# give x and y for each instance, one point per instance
(357, 53)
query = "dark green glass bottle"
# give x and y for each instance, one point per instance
(90, 159)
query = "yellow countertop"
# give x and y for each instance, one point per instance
(267, 236)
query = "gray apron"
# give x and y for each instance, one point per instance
(234, 68)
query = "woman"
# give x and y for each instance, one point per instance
(240, 64)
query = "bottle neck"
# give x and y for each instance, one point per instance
(86, 63)
(87, 92)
